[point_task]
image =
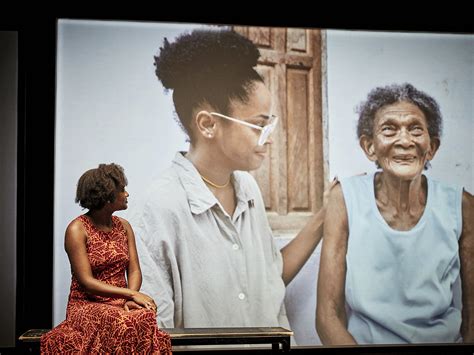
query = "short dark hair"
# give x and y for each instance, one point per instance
(98, 186)
(207, 67)
(391, 94)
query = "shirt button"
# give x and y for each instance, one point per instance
(235, 246)
(241, 296)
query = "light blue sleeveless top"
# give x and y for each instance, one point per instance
(403, 286)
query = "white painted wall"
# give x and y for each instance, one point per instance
(111, 108)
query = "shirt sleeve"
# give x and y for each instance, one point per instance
(161, 280)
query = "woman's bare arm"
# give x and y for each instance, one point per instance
(331, 319)
(296, 253)
(75, 245)
(134, 274)
(466, 253)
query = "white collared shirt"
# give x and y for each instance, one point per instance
(203, 267)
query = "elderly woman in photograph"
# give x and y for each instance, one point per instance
(398, 242)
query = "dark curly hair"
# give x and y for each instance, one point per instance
(391, 94)
(207, 67)
(98, 186)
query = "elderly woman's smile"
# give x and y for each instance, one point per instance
(401, 144)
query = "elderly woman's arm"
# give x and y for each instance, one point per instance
(466, 252)
(331, 319)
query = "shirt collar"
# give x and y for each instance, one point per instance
(200, 198)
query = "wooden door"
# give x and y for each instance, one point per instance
(292, 180)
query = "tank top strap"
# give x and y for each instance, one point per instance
(118, 225)
(86, 223)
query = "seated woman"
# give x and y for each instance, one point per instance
(104, 314)
(398, 241)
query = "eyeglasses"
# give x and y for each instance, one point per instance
(266, 130)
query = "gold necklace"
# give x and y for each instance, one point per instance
(213, 184)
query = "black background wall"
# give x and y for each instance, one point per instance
(36, 106)
(8, 182)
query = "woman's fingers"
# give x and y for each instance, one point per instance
(145, 301)
(151, 306)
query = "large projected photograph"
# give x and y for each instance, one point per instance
(318, 180)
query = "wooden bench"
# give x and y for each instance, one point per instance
(198, 336)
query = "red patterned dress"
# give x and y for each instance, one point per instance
(96, 324)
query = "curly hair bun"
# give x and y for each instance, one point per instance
(204, 55)
(97, 186)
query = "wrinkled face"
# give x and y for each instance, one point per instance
(239, 143)
(400, 143)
